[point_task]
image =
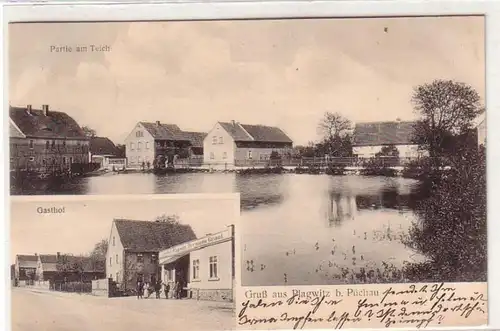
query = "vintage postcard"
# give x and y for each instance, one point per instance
(101, 263)
(357, 145)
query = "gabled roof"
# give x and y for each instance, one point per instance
(27, 261)
(151, 236)
(49, 262)
(103, 146)
(164, 131)
(55, 124)
(264, 133)
(261, 133)
(196, 138)
(383, 133)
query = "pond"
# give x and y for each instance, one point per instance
(295, 229)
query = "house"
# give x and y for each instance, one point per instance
(204, 267)
(370, 137)
(65, 267)
(231, 144)
(134, 247)
(104, 152)
(46, 141)
(25, 268)
(155, 143)
(480, 124)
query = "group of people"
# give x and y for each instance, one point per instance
(144, 290)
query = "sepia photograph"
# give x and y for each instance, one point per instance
(123, 263)
(357, 145)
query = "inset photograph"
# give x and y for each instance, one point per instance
(112, 263)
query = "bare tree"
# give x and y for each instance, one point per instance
(447, 109)
(334, 125)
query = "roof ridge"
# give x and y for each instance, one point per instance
(244, 130)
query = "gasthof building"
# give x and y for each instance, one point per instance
(204, 267)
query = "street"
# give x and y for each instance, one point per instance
(43, 310)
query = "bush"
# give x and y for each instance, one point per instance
(452, 227)
(376, 167)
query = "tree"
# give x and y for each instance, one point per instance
(121, 150)
(388, 150)
(447, 110)
(89, 132)
(336, 132)
(97, 257)
(172, 219)
(452, 229)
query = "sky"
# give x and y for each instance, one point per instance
(87, 221)
(284, 73)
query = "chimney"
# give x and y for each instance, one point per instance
(45, 109)
(28, 109)
(233, 122)
(36, 254)
(158, 123)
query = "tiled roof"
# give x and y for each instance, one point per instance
(264, 133)
(196, 138)
(49, 262)
(260, 133)
(55, 124)
(103, 146)
(236, 131)
(383, 133)
(164, 131)
(27, 261)
(151, 236)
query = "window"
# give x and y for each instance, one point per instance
(196, 269)
(140, 258)
(214, 140)
(113, 241)
(213, 267)
(31, 144)
(221, 140)
(110, 262)
(139, 134)
(212, 156)
(169, 274)
(116, 258)
(139, 145)
(147, 145)
(32, 158)
(47, 144)
(249, 155)
(224, 155)
(132, 146)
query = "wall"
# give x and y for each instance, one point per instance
(100, 287)
(404, 151)
(38, 157)
(135, 153)
(213, 154)
(114, 269)
(220, 288)
(109, 163)
(481, 133)
(149, 269)
(259, 155)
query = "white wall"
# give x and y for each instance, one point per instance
(135, 153)
(218, 153)
(370, 151)
(481, 133)
(114, 267)
(223, 253)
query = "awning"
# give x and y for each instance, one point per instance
(173, 258)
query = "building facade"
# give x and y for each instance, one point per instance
(64, 267)
(45, 141)
(134, 247)
(233, 144)
(204, 267)
(158, 143)
(105, 153)
(25, 269)
(371, 137)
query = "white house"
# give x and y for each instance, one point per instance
(370, 137)
(231, 144)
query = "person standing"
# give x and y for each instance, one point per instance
(157, 289)
(178, 290)
(166, 289)
(139, 289)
